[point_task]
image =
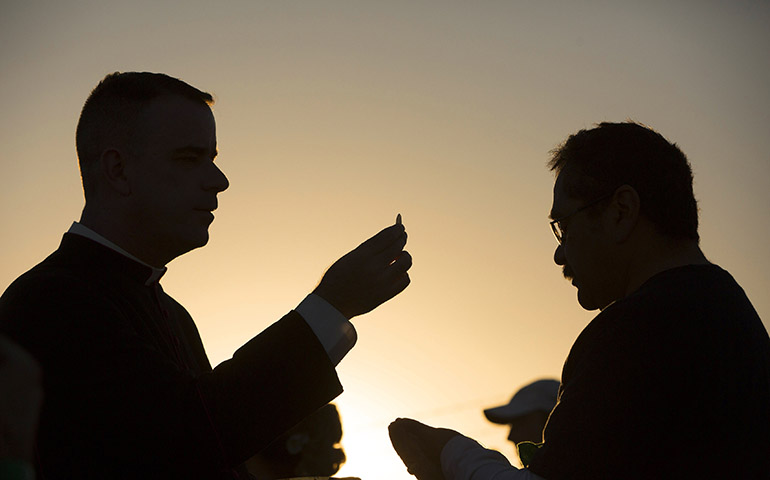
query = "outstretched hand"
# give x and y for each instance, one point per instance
(420, 446)
(370, 275)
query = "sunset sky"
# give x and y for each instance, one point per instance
(332, 117)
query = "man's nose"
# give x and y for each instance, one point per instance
(216, 180)
(558, 255)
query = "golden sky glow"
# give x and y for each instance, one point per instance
(335, 116)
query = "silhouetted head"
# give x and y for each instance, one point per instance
(618, 186)
(146, 144)
(528, 427)
(311, 448)
(527, 412)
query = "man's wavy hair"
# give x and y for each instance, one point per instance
(109, 116)
(630, 153)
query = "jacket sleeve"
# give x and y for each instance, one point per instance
(112, 392)
(465, 459)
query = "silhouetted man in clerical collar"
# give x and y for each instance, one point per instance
(672, 379)
(129, 391)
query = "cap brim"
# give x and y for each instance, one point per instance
(502, 415)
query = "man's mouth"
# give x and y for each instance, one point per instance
(209, 215)
(568, 274)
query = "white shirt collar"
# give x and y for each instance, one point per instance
(83, 231)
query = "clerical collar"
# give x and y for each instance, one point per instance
(83, 231)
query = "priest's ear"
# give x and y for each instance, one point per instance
(113, 172)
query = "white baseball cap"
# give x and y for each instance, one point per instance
(537, 396)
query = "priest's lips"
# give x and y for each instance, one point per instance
(207, 213)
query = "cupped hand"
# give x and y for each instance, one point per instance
(420, 446)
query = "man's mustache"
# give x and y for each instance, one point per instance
(568, 273)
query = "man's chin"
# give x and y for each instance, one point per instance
(586, 301)
(191, 242)
(201, 240)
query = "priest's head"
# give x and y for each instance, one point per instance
(146, 145)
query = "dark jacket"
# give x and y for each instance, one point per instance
(129, 391)
(672, 381)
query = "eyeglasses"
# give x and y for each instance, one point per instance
(556, 227)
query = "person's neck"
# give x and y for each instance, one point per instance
(117, 233)
(659, 256)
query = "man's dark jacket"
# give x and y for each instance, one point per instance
(670, 382)
(129, 391)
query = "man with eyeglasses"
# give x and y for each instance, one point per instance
(672, 379)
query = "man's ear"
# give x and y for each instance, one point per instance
(625, 212)
(113, 168)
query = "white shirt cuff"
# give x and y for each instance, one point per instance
(334, 331)
(465, 459)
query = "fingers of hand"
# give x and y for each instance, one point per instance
(407, 446)
(383, 239)
(406, 429)
(400, 265)
(410, 424)
(387, 270)
(408, 441)
(369, 275)
(384, 277)
(397, 432)
(391, 251)
(394, 287)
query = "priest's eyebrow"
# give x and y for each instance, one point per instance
(195, 150)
